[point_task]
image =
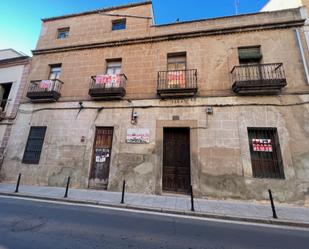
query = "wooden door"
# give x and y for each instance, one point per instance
(176, 160)
(101, 158)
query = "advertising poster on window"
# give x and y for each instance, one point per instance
(138, 136)
(262, 145)
(108, 80)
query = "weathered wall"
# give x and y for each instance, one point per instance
(220, 158)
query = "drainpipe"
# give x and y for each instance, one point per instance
(301, 48)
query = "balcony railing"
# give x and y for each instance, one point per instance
(258, 79)
(44, 90)
(108, 86)
(177, 83)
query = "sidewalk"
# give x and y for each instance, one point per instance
(221, 209)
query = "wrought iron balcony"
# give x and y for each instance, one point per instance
(179, 83)
(258, 79)
(108, 86)
(44, 90)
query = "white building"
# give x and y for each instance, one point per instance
(14, 69)
(283, 4)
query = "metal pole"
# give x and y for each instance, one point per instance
(67, 188)
(192, 200)
(18, 181)
(302, 52)
(123, 190)
(272, 204)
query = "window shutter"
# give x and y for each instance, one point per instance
(250, 53)
(34, 145)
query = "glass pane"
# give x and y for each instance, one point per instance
(119, 24)
(176, 62)
(181, 66)
(55, 72)
(113, 67)
(171, 66)
(63, 33)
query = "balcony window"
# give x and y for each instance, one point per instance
(55, 71)
(46, 90)
(113, 66)
(63, 33)
(108, 86)
(176, 61)
(119, 24)
(250, 55)
(177, 81)
(258, 79)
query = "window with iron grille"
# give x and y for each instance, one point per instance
(265, 153)
(113, 66)
(34, 145)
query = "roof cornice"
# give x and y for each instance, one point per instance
(96, 11)
(175, 36)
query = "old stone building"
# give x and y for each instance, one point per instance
(220, 104)
(14, 70)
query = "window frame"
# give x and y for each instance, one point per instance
(117, 22)
(26, 150)
(65, 30)
(176, 56)
(51, 67)
(116, 60)
(253, 60)
(277, 170)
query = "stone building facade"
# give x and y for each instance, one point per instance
(220, 104)
(14, 70)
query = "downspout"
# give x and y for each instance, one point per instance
(301, 49)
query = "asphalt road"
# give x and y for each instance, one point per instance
(29, 224)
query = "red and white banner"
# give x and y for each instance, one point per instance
(108, 80)
(176, 79)
(262, 145)
(46, 84)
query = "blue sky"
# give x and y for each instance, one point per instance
(20, 20)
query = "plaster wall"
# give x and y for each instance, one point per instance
(220, 158)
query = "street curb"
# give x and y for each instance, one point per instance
(167, 211)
